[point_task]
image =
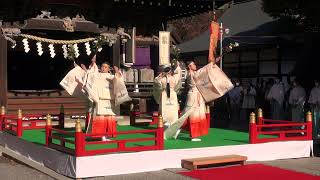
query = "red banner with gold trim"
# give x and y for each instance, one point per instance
(214, 35)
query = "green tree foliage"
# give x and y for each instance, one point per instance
(302, 13)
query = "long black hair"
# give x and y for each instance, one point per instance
(168, 87)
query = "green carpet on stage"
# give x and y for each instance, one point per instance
(216, 137)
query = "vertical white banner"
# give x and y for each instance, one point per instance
(164, 47)
(130, 49)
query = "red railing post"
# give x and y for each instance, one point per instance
(121, 145)
(252, 129)
(88, 116)
(2, 114)
(61, 117)
(208, 115)
(79, 140)
(309, 125)
(260, 118)
(48, 129)
(155, 118)
(132, 115)
(160, 134)
(19, 123)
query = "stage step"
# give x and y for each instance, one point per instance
(192, 164)
(44, 104)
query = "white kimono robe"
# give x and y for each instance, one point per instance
(168, 107)
(195, 110)
(314, 100)
(276, 97)
(205, 84)
(296, 100)
(100, 89)
(197, 107)
(73, 81)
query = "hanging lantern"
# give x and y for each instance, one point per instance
(26, 45)
(51, 49)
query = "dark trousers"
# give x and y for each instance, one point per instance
(276, 110)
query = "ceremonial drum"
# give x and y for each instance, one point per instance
(212, 82)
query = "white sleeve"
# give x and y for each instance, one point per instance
(177, 78)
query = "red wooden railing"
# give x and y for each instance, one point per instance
(134, 115)
(12, 124)
(80, 141)
(16, 124)
(51, 136)
(285, 130)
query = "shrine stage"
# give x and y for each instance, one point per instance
(30, 149)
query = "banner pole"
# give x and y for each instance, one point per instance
(221, 34)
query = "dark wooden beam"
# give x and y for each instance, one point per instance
(279, 59)
(105, 12)
(258, 61)
(3, 71)
(116, 53)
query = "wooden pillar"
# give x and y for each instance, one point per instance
(19, 124)
(260, 118)
(239, 65)
(3, 72)
(252, 129)
(258, 62)
(132, 114)
(155, 118)
(160, 134)
(61, 117)
(154, 55)
(2, 114)
(208, 116)
(116, 53)
(131, 48)
(79, 140)
(48, 129)
(309, 125)
(279, 74)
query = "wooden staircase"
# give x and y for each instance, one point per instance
(195, 163)
(46, 103)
